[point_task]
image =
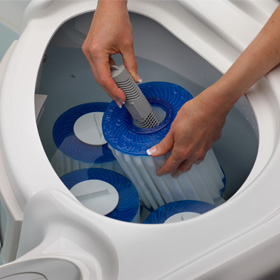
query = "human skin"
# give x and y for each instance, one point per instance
(200, 121)
(110, 33)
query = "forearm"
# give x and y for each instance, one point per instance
(261, 56)
(112, 4)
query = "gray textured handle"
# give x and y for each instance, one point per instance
(136, 102)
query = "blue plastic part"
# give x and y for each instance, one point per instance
(119, 130)
(160, 215)
(70, 145)
(128, 204)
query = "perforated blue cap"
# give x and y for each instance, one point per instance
(66, 140)
(128, 204)
(119, 130)
(164, 212)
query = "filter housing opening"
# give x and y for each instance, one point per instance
(67, 81)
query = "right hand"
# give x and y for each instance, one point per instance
(197, 125)
(110, 33)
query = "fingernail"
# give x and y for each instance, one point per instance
(176, 174)
(119, 104)
(139, 79)
(121, 101)
(151, 150)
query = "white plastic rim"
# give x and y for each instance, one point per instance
(88, 129)
(179, 217)
(25, 276)
(96, 195)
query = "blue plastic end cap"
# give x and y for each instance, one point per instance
(128, 205)
(70, 145)
(160, 215)
(119, 130)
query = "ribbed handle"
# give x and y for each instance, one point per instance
(136, 102)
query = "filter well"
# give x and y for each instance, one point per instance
(67, 81)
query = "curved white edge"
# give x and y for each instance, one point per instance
(12, 13)
(186, 243)
(11, 212)
(212, 13)
(26, 160)
(84, 243)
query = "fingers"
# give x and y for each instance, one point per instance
(100, 63)
(180, 160)
(103, 77)
(174, 160)
(185, 166)
(163, 147)
(179, 164)
(130, 62)
(171, 165)
(110, 33)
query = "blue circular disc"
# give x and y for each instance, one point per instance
(117, 124)
(128, 204)
(160, 215)
(70, 145)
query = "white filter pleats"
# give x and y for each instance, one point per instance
(203, 182)
(63, 164)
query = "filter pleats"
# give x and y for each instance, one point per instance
(128, 205)
(204, 182)
(72, 153)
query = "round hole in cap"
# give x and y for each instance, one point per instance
(98, 196)
(88, 128)
(179, 217)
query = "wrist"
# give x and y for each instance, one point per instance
(113, 3)
(218, 99)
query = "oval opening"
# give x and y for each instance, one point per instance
(67, 81)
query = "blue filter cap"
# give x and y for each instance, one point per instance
(128, 199)
(120, 130)
(72, 144)
(188, 209)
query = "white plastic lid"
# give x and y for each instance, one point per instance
(181, 217)
(88, 128)
(41, 269)
(96, 195)
(25, 276)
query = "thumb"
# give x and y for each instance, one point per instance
(163, 147)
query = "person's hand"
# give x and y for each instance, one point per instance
(110, 33)
(197, 125)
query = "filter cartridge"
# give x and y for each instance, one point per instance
(178, 211)
(104, 191)
(78, 136)
(204, 182)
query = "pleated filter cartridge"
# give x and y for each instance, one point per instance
(178, 211)
(80, 143)
(129, 141)
(105, 192)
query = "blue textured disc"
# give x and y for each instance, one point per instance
(70, 145)
(128, 204)
(117, 124)
(160, 215)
